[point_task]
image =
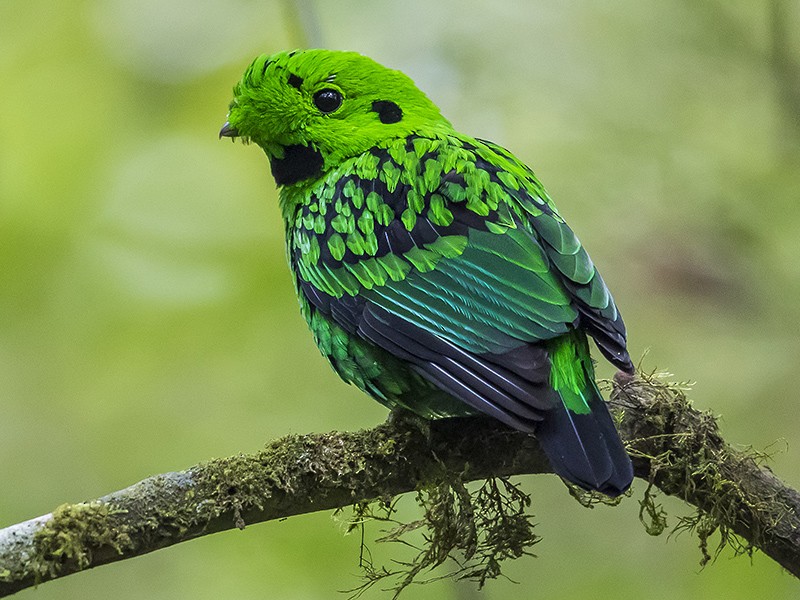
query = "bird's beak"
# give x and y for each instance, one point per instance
(228, 131)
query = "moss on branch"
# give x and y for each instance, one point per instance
(676, 449)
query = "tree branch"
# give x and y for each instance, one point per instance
(675, 448)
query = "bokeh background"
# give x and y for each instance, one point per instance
(147, 318)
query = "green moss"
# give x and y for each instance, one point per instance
(74, 533)
(304, 469)
(651, 513)
(688, 458)
(474, 530)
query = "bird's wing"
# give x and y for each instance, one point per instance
(598, 314)
(461, 275)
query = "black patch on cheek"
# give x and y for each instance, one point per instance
(388, 111)
(295, 81)
(298, 163)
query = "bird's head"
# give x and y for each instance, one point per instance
(320, 107)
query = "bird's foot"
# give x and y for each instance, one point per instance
(405, 419)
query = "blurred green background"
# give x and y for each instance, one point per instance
(147, 318)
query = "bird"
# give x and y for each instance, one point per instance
(432, 268)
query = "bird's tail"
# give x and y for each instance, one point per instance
(579, 435)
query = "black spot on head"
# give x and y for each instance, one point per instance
(295, 81)
(264, 68)
(388, 111)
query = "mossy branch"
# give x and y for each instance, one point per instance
(676, 449)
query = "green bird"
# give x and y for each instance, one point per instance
(432, 268)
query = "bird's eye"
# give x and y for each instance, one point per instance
(327, 100)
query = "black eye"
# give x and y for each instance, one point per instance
(327, 100)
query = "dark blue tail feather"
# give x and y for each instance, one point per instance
(585, 448)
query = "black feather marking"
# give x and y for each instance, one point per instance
(319, 299)
(394, 237)
(295, 81)
(388, 111)
(465, 218)
(518, 399)
(435, 231)
(445, 382)
(402, 241)
(424, 232)
(371, 329)
(608, 335)
(390, 249)
(347, 311)
(451, 377)
(298, 163)
(529, 363)
(458, 363)
(490, 392)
